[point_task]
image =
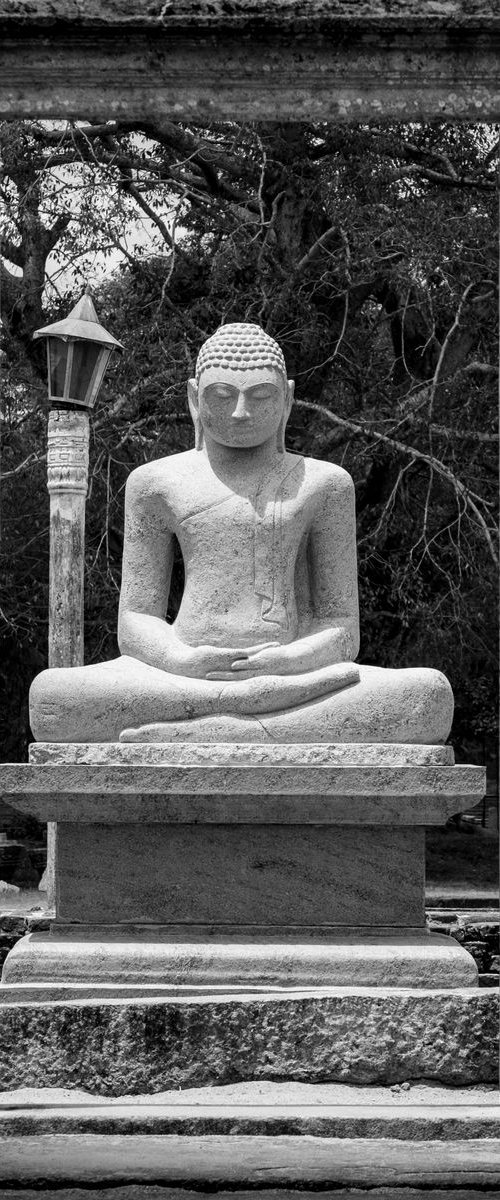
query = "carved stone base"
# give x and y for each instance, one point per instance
(178, 961)
(241, 912)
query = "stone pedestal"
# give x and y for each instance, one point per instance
(244, 912)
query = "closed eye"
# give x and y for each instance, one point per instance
(223, 393)
(261, 394)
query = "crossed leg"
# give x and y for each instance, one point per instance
(412, 706)
(341, 703)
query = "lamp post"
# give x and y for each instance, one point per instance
(78, 352)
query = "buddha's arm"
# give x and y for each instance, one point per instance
(334, 572)
(148, 553)
(334, 632)
(143, 632)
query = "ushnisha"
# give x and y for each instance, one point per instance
(264, 645)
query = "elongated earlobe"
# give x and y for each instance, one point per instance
(198, 434)
(192, 391)
(280, 435)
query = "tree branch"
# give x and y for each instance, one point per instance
(8, 249)
(130, 187)
(413, 170)
(467, 435)
(207, 159)
(51, 236)
(492, 154)
(321, 241)
(410, 452)
(27, 462)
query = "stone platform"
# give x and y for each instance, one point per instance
(254, 1136)
(241, 865)
(240, 911)
(159, 1038)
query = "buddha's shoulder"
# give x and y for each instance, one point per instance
(326, 475)
(162, 474)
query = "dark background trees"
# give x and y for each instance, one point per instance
(370, 254)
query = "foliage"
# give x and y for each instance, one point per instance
(370, 253)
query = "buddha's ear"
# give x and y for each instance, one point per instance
(192, 390)
(193, 399)
(280, 437)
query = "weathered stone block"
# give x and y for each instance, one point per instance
(268, 875)
(336, 1035)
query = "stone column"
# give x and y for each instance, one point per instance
(67, 481)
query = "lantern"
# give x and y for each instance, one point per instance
(78, 351)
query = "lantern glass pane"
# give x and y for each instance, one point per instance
(85, 356)
(58, 357)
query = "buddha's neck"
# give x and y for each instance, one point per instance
(243, 461)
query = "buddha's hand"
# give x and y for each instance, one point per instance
(267, 659)
(323, 647)
(210, 662)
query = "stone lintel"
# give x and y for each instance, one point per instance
(316, 61)
(246, 15)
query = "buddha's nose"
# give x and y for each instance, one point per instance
(240, 412)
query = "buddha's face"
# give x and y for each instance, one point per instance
(242, 408)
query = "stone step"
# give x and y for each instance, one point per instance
(147, 1191)
(257, 1135)
(403, 1111)
(248, 1161)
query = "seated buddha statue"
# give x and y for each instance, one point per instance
(263, 647)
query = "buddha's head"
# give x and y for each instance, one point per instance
(241, 396)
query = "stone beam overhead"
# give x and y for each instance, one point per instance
(301, 59)
(283, 14)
